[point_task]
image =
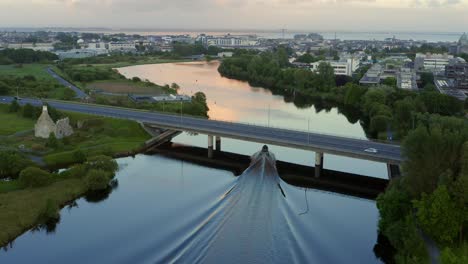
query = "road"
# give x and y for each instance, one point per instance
(342, 146)
(79, 93)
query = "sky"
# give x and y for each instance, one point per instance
(307, 15)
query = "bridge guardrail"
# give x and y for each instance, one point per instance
(224, 121)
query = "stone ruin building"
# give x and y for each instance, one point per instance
(45, 125)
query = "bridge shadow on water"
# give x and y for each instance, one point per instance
(298, 175)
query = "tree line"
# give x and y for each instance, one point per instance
(386, 107)
(12, 56)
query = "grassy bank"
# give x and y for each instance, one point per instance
(12, 123)
(36, 70)
(93, 136)
(22, 209)
(125, 87)
(36, 196)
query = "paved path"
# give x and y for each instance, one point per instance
(342, 146)
(79, 93)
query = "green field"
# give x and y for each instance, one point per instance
(11, 123)
(125, 87)
(36, 70)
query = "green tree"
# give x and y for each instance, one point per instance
(404, 113)
(175, 86)
(438, 215)
(68, 94)
(379, 123)
(97, 179)
(79, 156)
(390, 81)
(426, 78)
(4, 88)
(11, 163)
(52, 141)
(373, 96)
(325, 77)
(394, 203)
(431, 151)
(33, 177)
(104, 163)
(353, 94)
(448, 256)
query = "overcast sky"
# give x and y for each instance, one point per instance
(308, 15)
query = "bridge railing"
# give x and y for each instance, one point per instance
(230, 121)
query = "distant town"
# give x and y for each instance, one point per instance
(406, 62)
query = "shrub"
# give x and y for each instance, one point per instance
(52, 141)
(33, 177)
(14, 107)
(104, 163)
(11, 163)
(97, 180)
(28, 111)
(76, 171)
(79, 156)
(37, 147)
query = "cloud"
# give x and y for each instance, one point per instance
(358, 15)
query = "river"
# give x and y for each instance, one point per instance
(165, 209)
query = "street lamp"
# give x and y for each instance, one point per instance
(268, 115)
(308, 131)
(181, 111)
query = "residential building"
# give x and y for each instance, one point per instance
(432, 62)
(458, 72)
(372, 76)
(122, 46)
(347, 64)
(446, 86)
(229, 41)
(33, 46)
(406, 79)
(76, 54)
(225, 54)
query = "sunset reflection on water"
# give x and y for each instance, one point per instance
(237, 101)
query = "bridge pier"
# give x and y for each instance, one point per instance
(318, 164)
(210, 146)
(393, 171)
(218, 143)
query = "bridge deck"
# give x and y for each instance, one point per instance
(289, 138)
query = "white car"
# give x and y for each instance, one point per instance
(371, 150)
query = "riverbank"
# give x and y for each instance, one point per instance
(39, 195)
(21, 210)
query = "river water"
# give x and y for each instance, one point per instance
(167, 210)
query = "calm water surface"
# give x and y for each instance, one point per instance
(166, 209)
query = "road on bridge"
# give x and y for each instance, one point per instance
(342, 146)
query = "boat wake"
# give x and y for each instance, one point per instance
(251, 223)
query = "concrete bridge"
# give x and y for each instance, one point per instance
(215, 130)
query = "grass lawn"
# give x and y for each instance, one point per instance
(125, 86)
(8, 186)
(21, 210)
(12, 122)
(36, 70)
(102, 136)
